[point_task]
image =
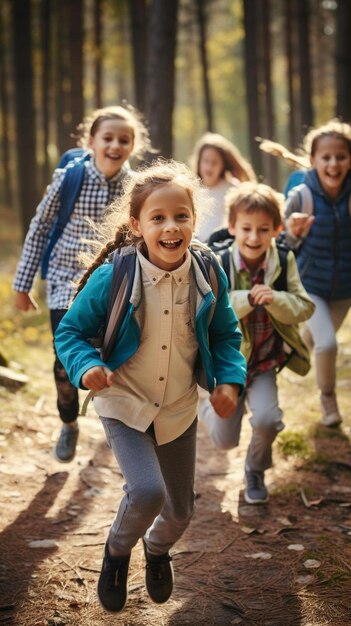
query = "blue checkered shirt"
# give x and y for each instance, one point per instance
(96, 193)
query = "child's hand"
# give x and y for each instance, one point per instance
(97, 378)
(25, 302)
(298, 224)
(224, 399)
(261, 294)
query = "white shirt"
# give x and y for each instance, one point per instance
(216, 216)
(157, 384)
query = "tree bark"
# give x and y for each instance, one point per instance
(24, 110)
(98, 53)
(304, 64)
(75, 23)
(161, 74)
(45, 83)
(251, 74)
(343, 60)
(5, 106)
(139, 20)
(202, 22)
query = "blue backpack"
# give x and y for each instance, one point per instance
(69, 192)
(124, 264)
(122, 283)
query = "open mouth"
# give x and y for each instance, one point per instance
(171, 244)
(114, 157)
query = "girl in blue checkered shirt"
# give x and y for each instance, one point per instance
(111, 135)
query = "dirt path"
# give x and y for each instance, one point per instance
(236, 564)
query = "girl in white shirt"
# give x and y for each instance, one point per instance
(220, 166)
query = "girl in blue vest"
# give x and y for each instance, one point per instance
(322, 242)
(111, 135)
(173, 335)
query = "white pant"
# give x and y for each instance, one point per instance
(266, 421)
(320, 334)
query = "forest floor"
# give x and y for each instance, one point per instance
(286, 563)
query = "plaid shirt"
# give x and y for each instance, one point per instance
(96, 193)
(267, 345)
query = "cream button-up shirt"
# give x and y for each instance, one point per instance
(157, 384)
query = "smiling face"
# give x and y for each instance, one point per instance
(166, 223)
(253, 234)
(112, 144)
(211, 166)
(332, 161)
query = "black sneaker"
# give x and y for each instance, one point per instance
(65, 448)
(255, 491)
(158, 576)
(112, 586)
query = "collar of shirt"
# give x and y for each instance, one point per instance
(243, 265)
(154, 274)
(100, 176)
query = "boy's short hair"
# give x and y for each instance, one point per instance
(251, 197)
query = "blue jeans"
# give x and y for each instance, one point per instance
(159, 491)
(67, 394)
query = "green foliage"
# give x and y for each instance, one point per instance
(294, 443)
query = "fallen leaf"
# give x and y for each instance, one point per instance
(304, 580)
(298, 547)
(259, 555)
(312, 564)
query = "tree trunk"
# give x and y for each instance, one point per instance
(251, 74)
(343, 60)
(304, 64)
(138, 21)
(24, 110)
(267, 121)
(75, 22)
(45, 83)
(6, 195)
(161, 74)
(202, 22)
(62, 82)
(292, 125)
(98, 53)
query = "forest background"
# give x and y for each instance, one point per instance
(244, 68)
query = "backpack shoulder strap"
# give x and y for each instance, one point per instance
(73, 154)
(225, 258)
(208, 265)
(69, 191)
(281, 283)
(306, 199)
(120, 293)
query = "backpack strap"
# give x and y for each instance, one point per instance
(69, 191)
(120, 293)
(73, 154)
(225, 257)
(281, 283)
(306, 199)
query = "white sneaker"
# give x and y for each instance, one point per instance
(330, 411)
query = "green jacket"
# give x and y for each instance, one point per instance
(287, 310)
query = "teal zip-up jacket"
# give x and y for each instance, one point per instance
(219, 358)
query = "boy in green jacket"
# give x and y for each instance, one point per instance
(269, 311)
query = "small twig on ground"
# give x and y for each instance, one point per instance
(73, 570)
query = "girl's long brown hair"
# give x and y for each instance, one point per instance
(234, 162)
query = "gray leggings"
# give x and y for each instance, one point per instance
(266, 421)
(159, 491)
(320, 334)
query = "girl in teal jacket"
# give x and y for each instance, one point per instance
(146, 391)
